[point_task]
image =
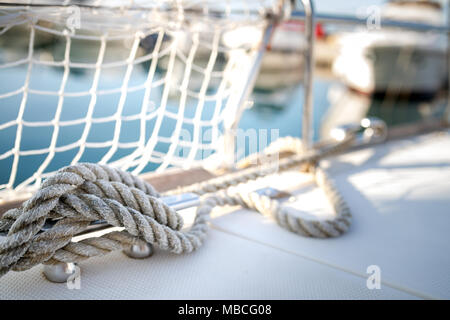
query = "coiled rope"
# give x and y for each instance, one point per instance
(77, 195)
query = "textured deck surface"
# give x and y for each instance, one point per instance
(399, 194)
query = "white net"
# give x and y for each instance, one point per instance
(142, 85)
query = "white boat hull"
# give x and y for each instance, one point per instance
(393, 69)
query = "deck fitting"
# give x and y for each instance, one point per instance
(60, 272)
(139, 251)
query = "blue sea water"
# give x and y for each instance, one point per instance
(285, 119)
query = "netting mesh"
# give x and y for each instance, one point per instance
(140, 85)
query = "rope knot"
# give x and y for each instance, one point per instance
(77, 195)
(74, 197)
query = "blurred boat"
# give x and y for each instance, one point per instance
(282, 67)
(406, 62)
(282, 64)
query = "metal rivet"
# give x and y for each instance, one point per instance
(139, 251)
(59, 272)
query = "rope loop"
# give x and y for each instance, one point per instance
(75, 196)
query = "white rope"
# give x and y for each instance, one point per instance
(79, 194)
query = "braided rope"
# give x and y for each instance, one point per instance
(79, 194)
(84, 193)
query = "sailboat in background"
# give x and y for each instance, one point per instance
(406, 62)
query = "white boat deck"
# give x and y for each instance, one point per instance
(399, 194)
